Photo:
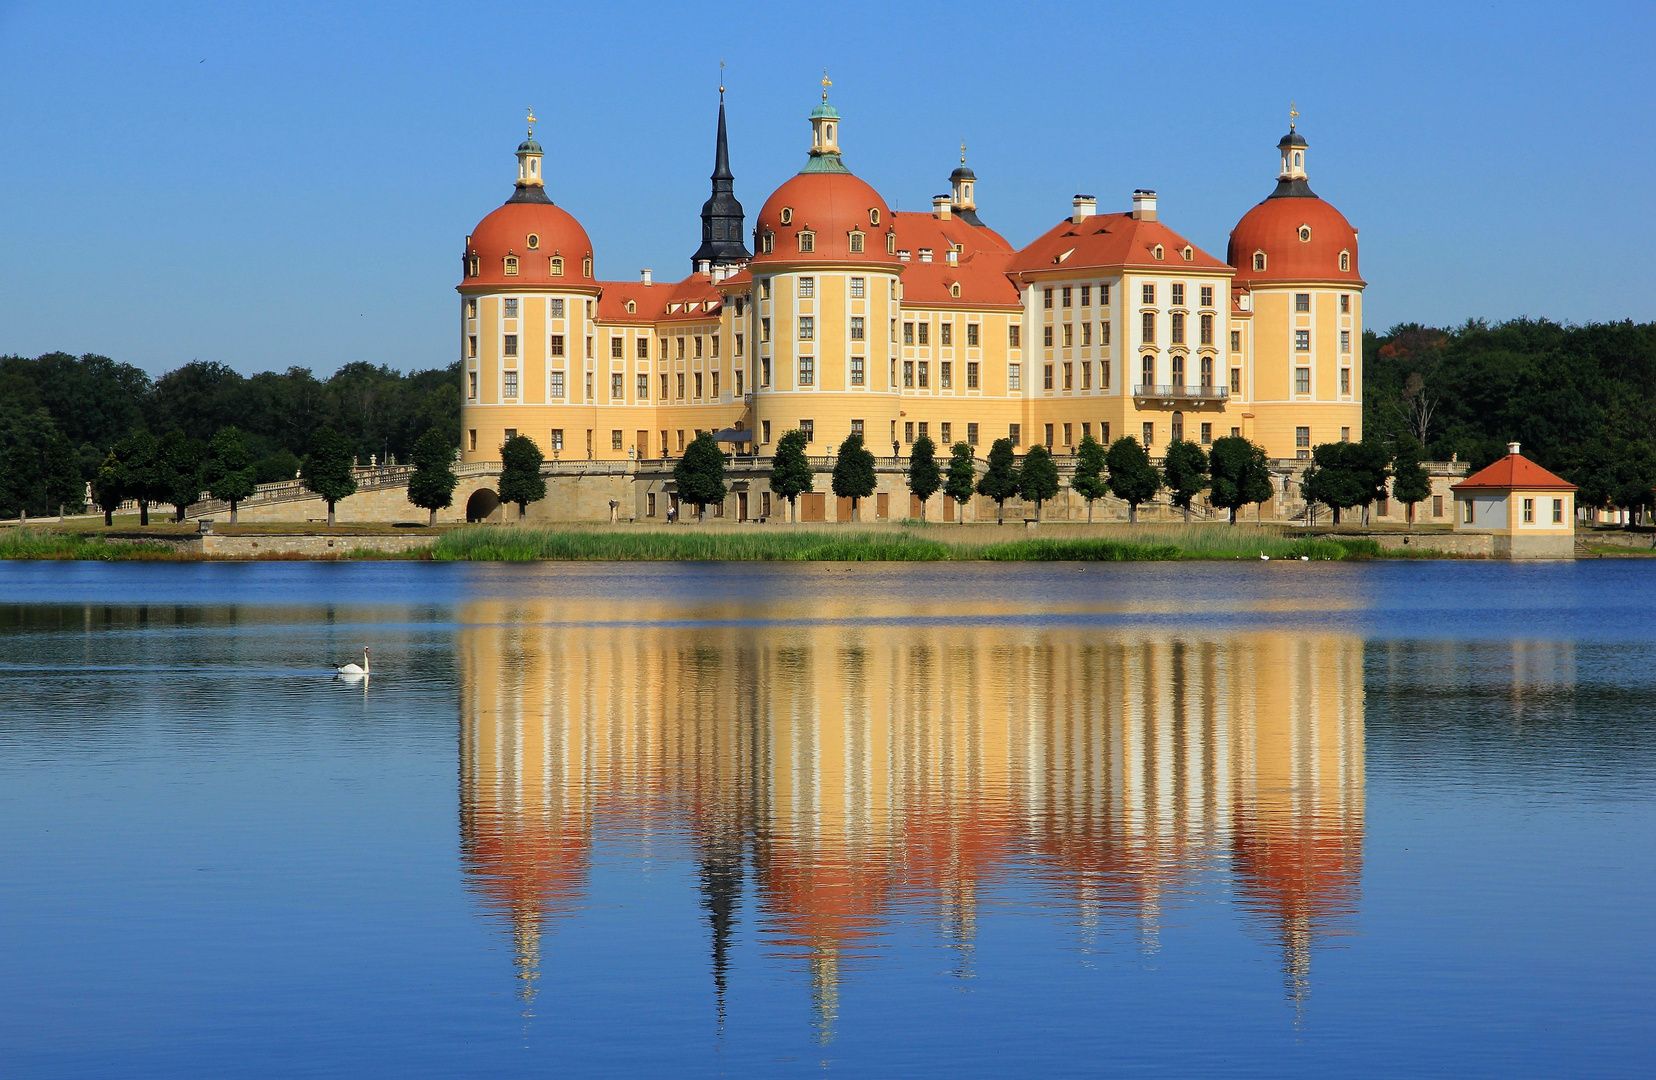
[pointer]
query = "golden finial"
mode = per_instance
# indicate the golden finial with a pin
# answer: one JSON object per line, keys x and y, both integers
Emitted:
{"x": 963, "y": 151}
{"x": 1293, "y": 115}
{"x": 531, "y": 121}
{"x": 826, "y": 83}
{"x": 721, "y": 78}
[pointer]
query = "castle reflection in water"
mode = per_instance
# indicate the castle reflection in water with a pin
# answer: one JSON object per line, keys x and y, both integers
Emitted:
{"x": 845, "y": 774}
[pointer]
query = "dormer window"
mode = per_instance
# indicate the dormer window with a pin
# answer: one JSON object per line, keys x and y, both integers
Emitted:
{"x": 534, "y": 241}
{"x": 767, "y": 243}
{"x": 786, "y": 216}
{"x": 1259, "y": 260}
{"x": 873, "y": 215}
{"x": 1345, "y": 262}
{"x": 557, "y": 266}
{"x": 1189, "y": 253}
{"x": 891, "y": 243}
{"x": 1158, "y": 252}
{"x": 474, "y": 266}
{"x": 954, "y": 291}
{"x": 511, "y": 266}
{"x": 586, "y": 267}
{"x": 1304, "y": 230}
{"x": 632, "y": 307}
{"x": 856, "y": 243}
{"x": 807, "y": 241}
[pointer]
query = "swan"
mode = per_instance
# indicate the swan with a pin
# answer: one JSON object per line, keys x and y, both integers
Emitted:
{"x": 1264, "y": 557}
{"x": 356, "y": 669}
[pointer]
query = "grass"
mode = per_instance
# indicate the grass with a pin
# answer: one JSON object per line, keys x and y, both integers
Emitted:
{"x": 30, "y": 543}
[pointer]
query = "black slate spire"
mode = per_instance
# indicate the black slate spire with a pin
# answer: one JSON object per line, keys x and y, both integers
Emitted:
{"x": 721, "y": 215}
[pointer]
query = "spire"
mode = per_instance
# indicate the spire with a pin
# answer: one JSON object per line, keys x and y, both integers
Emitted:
{"x": 1292, "y": 182}
{"x": 531, "y": 186}
{"x": 721, "y": 152}
{"x": 721, "y": 214}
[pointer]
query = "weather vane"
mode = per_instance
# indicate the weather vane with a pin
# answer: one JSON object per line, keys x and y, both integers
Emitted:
{"x": 531, "y": 120}
{"x": 721, "y": 78}
{"x": 963, "y": 151}
{"x": 1293, "y": 115}
{"x": 826, "y": 83}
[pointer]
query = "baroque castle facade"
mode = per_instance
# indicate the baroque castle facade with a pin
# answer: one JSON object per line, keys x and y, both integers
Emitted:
{"x": 834, "y": 314}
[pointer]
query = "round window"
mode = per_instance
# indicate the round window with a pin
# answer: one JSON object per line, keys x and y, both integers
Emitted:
{"x": 534, "y": 241}
{"x": 874, "y": 215}
{"x": 1305, "y": 233}
{"x": 787, "y": 215}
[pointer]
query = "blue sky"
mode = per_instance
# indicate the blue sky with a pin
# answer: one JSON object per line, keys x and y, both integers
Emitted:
{"x": 273, "y": 185}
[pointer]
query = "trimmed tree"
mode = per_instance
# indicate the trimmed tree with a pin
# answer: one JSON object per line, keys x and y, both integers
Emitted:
{"x": 520, "y": 477}
{"x": 106, "y": 488}
{"x": 1370, "y": 465}
{"x": 854, "y": 473}
{"x": 1238, "y": 474}
{"x": 1088, "y": 481}
{"x": 962, "y": 475}
{"x": 924, "y": 477}
{"x": 326, "y": 469}
{"x": 1000, "y": 480}
{"x": 700, "y": 475}
{"x": 791, "y": 474}
{"x": 179, "y": 462}
{"x": 1411, "y": 483}
{"x": 431, "y": 485}
{"x": 1133, "y": 479}
{"x": 1185, "y": 468}
{"x": 1038, "y": 479}
{"x": 137, "y": 456}
{"x": 229, "y": 472}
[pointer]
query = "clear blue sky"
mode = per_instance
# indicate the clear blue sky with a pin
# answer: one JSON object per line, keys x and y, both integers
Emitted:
{"x": 275, "y": 184}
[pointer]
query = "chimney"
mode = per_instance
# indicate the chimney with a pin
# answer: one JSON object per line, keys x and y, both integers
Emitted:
{"x": 644, "y": 276}
{"x": 705, "y": 266}
{"x": 1084, "y": 206}
{"x": 940, "y": 207}
{"x": 954, "y": 257}
{"x": 1144, "y": 205}
{"x": 1512, "y": 448}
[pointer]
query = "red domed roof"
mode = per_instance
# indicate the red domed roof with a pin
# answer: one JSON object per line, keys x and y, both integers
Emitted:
{"x": 830, "y": 205}
{"x": 1274, "y": 227}
{"x": 534, "y": 232}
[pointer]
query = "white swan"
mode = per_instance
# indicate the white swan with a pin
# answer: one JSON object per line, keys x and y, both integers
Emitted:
{"x": 1264, "y": 557}
{"x": 356, "y": 669}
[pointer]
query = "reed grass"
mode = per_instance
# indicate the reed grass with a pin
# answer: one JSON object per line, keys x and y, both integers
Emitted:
{"x": 22, "y": 542}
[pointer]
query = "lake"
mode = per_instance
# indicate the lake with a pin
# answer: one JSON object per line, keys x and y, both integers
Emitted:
{"x": 1263, "y": 819}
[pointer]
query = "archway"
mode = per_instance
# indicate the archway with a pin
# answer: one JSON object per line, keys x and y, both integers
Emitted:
{"x": 482, "y": 503}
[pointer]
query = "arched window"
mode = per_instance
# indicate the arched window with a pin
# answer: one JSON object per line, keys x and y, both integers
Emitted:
{"x": 1189, "y": 253}
{"x": 1259, "y": 260}
{"x": 954, "y": 290}
{"x": 557, "y": 266}
{"x": 511, "y": 266}
{"x": 891, "y": 243}
{"x": 1345, "y": 261}
{"x": 1158, "y": 251}
{"x": 632, "y": 307}
{"x": 856, "y": 243}
{"x": 586, "y": 266}
{"x": 807, "y": 241}
{"x": 1149, "y": 372}
{"x": 1299, "y": 159}
{"x": 1178, "y": 426}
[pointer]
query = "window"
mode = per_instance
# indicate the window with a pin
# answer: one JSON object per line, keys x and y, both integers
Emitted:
{"x": 664, "y": 387}
{"x": 1046, "y": 336}
{"x": 1150, "y": 293}
{"x": 586, "y": 270}
{"x": 680, "y": 342}
{"x": 1104, "y": 293}
{"x": 1529, "y": 511}
{"x": 1066, "y": 296}
{"x": 557, "y": 384}
{"x": 1104, "y": 333}
{"x": 1345, "y": 262}
{"x": 764, "y": 288}
{"x": 739, "y": 374}
{"x": 1236, "y": 380}
{"x": 1177, "y": 321}
{"x": 1305, "y": 234}
{"x": 680, "y": 386}
{"x": 1046, "y": 298}
{"x": 509, "y": 387}
{"x": 925, "y": 373}
{"x": 643, "y": 388}
{"x": 1437, "y": 506}
{"x": 1345, "y": 380}
{"x": 1178, "y": 294}
{"x": 1207, "y": 329}
{"x": 715, "y": 340}
{"x": 945, "y": 375}
{"x": 764, "y": 431}
{"x": 1178, "y": 369}
{"x": 681, "y": 440}
{"x": 807, "y": 288}
{"x": 472, "y": 438}
{"x": 741, "y": 342}
{"x": 1302, "y": 301}
{"x": 615, "y": 440}
{"x": 1207, "y": 434}
{"x": 1046, "y": 377}
{"x": 1086, "y": 374}
{"x": 555, "y": 265}
{"x": 908, "y": 372}
{"x": 588, "y": 347}
{"x": 1345, "y": 434}
{"x": 809, "y": 428}
{"x": 1086, "y": 296}
{"x": 857, "y": 333}
{"x": 1177, "y": 429}
{"x": 856, "y": 243}
{"x": 858, "y": 285}
{"x": 807, "y": 371}
{"x": 715, "y": 384}
{"x": 1014, "y": 376}
{"x": 786, "y": 216}
{"x": 1345, "y": 303}
{"x": 891, "y": 243}
{"x": 473, "y": 266}
{"x": 857, "y": 377}
{"x": 971, "y": 435}
{"x": 557, "y": 438}
{"x": 1149, "y": 434}
{"x": 1207, "y": 372}
{"x": 698, "y": 343}
{"x": 1207, "y": 295}
{"x": 1259, "y": 260}
{"x": 1236, "y": 433}
{"x": 511, "y": 344}
{"x": 511, "y": 266}
{"x": 558, "y": 308}
{"x": 471, "y": 308}
{"x": 698, "y": 378}
{"x": 856, "y": 427}
{"x": 1302, "y": 438}
{"x": 1148, "y": 330}
{"x": 807, "y": 328}
{"x": 1015, "y": 433}
{"x": 1345, "y": 341}
{"x": 1302, "y": 341}
{"x": 908, "y": 431}
{"x": 1157, "y": 251}
{"x": 1069, "y": 335}
{"x": 1236, "y": 341}
{"x": 764, "y": 329}
{"x": 945, "y": 334}
{"x": 1069, "y": 376}
{"x": 873, "y": 215}
{"x": 1466, "y": 512}
{"x": 472, "y": 346}
{"x": 1086, "y": 430}
{"x": 807, "y": 242}
{"x": 1086, "y": 334}
{"x": 1302, "y": 380}
{"x": 764, "y": 371}
{"x": 972, "y": 335}
{"x": 616, "y": 389}
{"x": 511, "y": 311}
{"x": 944, "y": 433}
{"x": 1014, "y": 336}
{"x": 1048, "y": 439}
{"x": 1103, "y": 374}
{"x": 971, "y": 375}
{"x": 1558, "y": 511}
{"x": 924, "y": 330}
{"x": 616, "y": 346}
{"x": 1148, "y": 371}
{"x": 908, "y": 333}
{"x": 472, "y": 377}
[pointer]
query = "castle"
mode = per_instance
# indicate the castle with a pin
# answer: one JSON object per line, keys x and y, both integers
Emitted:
{"x": 835, "y": 315}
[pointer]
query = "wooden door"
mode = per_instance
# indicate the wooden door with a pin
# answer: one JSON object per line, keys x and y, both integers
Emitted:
{"x": 741, "y": 506}
{"x": 813, "y": 506}
{"x": 948, "y": 508}
{"x": 842, "y": 508}
{"x": 882, "y": 506}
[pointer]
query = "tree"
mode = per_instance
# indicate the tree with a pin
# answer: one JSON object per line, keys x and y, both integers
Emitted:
{"x": 962, "y": 474}
{"x": 65, "y": 488}
{"x": 179, "y": 461}
{"x": 20, "y": 479}
{"x": 1411, "y": 483}
{"x": 520, "y": 476}
{"x": 139, "y": 478}
{"x": 1238, "y": 474}
{"x": 924, "y": 477}
{"x": 1370, "y": 465}
{"x": 1088, "y": 481}
{"x": 229, "y": 472}
{"x": 106, "y": 488}
{"x": 700, "y": 474}
{"x": 326, "y": 469}
{"x": 433, "y": 482}
{"x": 854, "y": 472}
{"x": 1000, "y": 480}
{"x": 1185, "y": 467}
{"x": 791, "y": 474}
{"x": 1133, "y": 479}
{"x": 1038, "y": 479}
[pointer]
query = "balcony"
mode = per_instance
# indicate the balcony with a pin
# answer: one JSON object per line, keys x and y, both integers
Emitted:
{"x": 1179, "y": 393}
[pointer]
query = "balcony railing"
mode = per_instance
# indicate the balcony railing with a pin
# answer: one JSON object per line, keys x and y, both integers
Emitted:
{"x": 1181, "y": 392}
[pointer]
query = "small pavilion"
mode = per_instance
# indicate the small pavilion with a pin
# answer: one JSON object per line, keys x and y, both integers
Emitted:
{"x": 1529, "y": 512}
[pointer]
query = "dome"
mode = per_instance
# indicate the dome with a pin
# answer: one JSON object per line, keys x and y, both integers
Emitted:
{"x": 1275, "y": 228}
{"x": 830, "y": 205}
{"x": 1293, "y": 138}
{"x": 963, "y": 173}
{"x": 529, "y": 146}
{"x": 508, "y": 232}
{"x": 825, "y": 110}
